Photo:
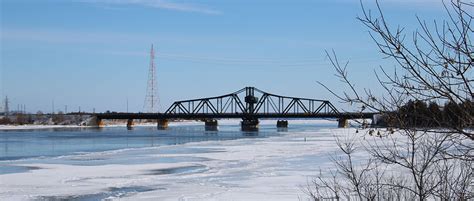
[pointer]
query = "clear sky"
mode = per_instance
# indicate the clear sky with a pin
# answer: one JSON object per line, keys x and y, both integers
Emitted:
{"x": 94, "y": 53}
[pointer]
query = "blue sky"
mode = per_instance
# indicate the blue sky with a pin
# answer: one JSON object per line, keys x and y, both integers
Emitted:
{"x": 94, "y": 53}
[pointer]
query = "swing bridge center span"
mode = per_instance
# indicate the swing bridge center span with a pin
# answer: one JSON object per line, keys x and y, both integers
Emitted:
{"x": 249, "y": 104}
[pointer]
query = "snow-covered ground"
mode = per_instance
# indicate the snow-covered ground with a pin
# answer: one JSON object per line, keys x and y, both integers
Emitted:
{"x": 275, "y": 168}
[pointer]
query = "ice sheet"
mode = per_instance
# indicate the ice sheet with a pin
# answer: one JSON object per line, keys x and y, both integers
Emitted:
{"x": 272, "y": 168}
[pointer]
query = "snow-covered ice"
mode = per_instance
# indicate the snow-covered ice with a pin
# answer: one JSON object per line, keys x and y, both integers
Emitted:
{"x": 274, "y": 168}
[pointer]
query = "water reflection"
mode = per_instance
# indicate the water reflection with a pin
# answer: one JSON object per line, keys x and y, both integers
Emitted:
{"x": 282, "y": 129}
{"x": 250, "y": 133}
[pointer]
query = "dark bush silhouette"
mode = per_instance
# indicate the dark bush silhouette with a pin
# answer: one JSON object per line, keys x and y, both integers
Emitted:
{"x": 420, "y": 114}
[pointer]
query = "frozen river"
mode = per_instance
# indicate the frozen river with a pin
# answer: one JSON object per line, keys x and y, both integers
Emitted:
{"x": 181, "y": 163}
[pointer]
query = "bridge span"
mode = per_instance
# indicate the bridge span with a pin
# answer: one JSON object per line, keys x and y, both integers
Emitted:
{"x": 249, "y": 104}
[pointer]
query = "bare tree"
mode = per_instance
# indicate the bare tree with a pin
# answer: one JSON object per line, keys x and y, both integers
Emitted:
{"x": 415, "y": 161}
{"x": 404, "y": 166}
{"x": 436, "y": 66}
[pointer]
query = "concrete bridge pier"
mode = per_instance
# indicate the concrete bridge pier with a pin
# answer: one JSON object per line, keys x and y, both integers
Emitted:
{"x": 342, "y": 123}
{"x": 100, "y": 123}
{"x": 249, "y": 124}
{"x": 282, "y": 124}
{"x": 94, "y": 121}
{"x": 163, "y": 124}
{"x": 130, "y": 124}
{"x": 210, "y": 124}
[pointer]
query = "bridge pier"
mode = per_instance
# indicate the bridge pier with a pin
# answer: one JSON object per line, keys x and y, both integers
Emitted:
{"x": 162, "y": 124}
{"x": 342, "y": 123}
{"x": 100, "y": 123}
{"x": 282, "y": 124}
{"x": 249, "y": 124}
{"x": 95, "y": 122}
{"x": 210, "y": 124}
{"x": 130, "y": 124}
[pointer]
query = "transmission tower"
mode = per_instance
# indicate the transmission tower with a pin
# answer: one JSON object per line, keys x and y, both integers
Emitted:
{"x": 151, "y": 99}
{"x": 5, "y": 109}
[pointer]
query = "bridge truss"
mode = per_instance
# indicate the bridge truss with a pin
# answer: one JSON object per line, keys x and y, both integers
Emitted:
{"x": 251, "y": 101}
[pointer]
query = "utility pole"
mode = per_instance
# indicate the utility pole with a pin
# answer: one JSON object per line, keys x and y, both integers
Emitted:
{"x": 65, "y": 109}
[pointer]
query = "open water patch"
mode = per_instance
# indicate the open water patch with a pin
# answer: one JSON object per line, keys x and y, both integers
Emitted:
{"x": 28, "y": 144}
{"x": 10, "y": 169}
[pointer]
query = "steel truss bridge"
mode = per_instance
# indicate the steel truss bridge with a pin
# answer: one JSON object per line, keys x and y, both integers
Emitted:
{"x": 248, "y": 104}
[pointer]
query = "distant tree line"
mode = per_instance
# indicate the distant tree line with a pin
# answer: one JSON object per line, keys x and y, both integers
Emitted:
{"x": 39, "y": 117}
{"x": 429, "y": 115}
{"x": 17, "y": 119}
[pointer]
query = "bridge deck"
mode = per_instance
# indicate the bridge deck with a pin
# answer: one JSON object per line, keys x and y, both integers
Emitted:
{"x": 232, "y": 116}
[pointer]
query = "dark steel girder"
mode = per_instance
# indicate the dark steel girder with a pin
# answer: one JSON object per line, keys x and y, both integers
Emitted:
{"x": 264, "y": 104}
{"x": 231, "y": 116}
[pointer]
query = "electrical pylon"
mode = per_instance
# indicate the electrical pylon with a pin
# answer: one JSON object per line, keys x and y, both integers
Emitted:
{"x": 151, "y": 99}
{"x": 5, "y": 109}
